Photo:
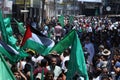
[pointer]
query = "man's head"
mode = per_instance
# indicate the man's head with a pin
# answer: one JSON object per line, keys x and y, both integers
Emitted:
{"x": 105, "y": 77}
{"x": 44, "y": 63}
{"x": 87, "y": 39}
{"x": 49, "y": 75}
{"x": 101, "y": 48}
{"x": 53, "y": 61}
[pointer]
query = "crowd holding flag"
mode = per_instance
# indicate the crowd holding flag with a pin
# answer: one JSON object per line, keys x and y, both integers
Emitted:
{"x": 3, "y": 29}
{"x": 77, "y": 61}
{"x": 38, "y": 42}
{"x": 64, "y": 43}
{"x": 35, "y": 40}
{"x": 8, "y": 42}
{"x": 12, "y": 54}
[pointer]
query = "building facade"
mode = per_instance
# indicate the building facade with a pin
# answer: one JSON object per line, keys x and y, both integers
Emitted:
{"x": 79, "y": 7}
{"x": 111, "y": 7}
{"x": 58, "y": 7}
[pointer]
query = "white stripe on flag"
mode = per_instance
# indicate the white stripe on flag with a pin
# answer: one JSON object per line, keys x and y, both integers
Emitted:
{"x": 36, "y": 39}
{"x": 16, "y": 52}
{"x": 52, "y": 44}
{"x": 1, "y": 45}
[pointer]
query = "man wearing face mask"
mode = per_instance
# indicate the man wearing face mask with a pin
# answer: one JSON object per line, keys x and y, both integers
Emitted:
{"x": 54, "y": 68}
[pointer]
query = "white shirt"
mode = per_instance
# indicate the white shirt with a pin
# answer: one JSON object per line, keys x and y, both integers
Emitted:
{"x": 90, "y": 49}
{"x": 57, "y": 71}
{"x": 63, "y": 62}
{"x": 22, "y": 63}
{"x": 38, "y": 59}
{"x": 89, "y": 29}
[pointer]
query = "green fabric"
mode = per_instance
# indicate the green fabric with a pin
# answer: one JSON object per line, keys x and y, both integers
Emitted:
{"x": 8, "y": 26}
{"x": 9, "y": 30}
{"x": 3, "y": 29}
{"x": 11, "y": 39}
{"x": 22, "y": 54}
{"x": 9, "y": 15}
{"x": 5, "y": 72}
{"x": 8, "y": 55}
{"x": 61, "y": 20}
{"x": 77, "y": 62}
{"x": 64, "y": 43}
{"x": 71, "y": 19}
{"x": 49, "y": 35}
{"x": 31, "y": 73}
{"x": 7, "y": 36}
{"x": 39, "y": 48}
{"x": 20, "y": 27}
{"x": 42, "y": 76}
{"x": 14, "y": 58}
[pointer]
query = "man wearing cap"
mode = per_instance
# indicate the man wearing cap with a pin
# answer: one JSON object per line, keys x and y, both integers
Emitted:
{"x": 101, "y": 49}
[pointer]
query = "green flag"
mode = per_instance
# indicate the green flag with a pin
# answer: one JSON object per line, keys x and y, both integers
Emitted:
{"x": 11, "y": 39}
{"x": 61, "y": 20}
{"x": 71, "y": 19}
{"x": 8, "y": 27}
{"x": 42, "y": 75}
{"x": 22, "y": 54}
{"x": 5, "y": 72}
{"x": 14, "y": 58}
{"x": 64, "y": 43}
{"x": 20, "y": 27}
{"x": 77, "y": 62}
{"x": 12, "y": 54}
{"x": 31, "y": 73}
{"x": 3, "y": 29}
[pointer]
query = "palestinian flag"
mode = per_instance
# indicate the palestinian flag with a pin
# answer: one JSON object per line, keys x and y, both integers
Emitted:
{"x": 12, "y": 54}
{"x": 35, "y": 40}
{"x": 8, "y": 48}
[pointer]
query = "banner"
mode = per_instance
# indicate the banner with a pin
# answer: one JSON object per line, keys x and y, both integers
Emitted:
{"x": 90, "y": 0}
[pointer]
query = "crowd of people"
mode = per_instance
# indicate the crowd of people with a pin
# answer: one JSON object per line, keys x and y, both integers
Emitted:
{"x": 99, "y": 37}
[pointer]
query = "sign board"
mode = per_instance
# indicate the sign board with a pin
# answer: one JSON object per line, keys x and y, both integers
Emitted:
{"x": 24, "y": 11}
{"x": 99, "y": 1}
{"x": 7, "y": 8}
{"x": 9, "y": 4}
{"x": 108, "y": 8}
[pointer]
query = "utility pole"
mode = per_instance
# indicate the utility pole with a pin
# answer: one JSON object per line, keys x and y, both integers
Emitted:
{"x": 39, "y": 12}
{"x": 74, "y": 5}
{"x": 42, "y": 15}
{"x": 25, "y": 12}
{"x": 3, "y": 6}
{"x": 55, "y": 7}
